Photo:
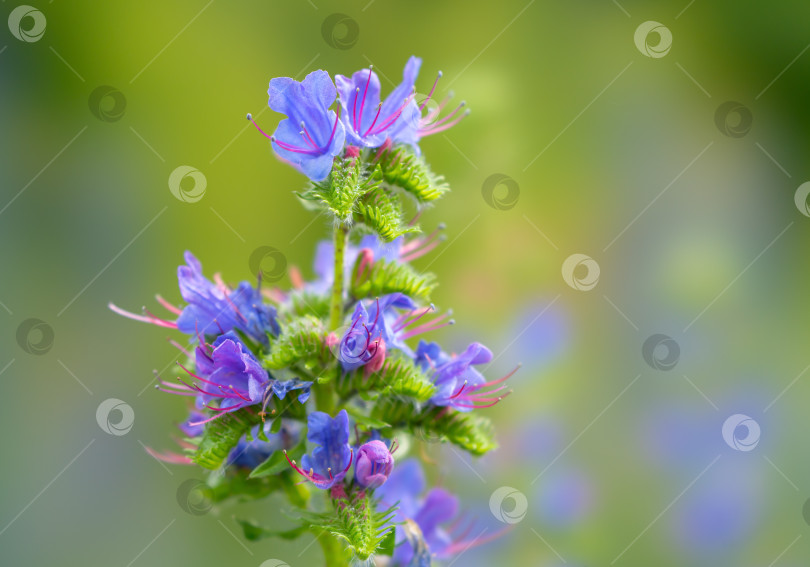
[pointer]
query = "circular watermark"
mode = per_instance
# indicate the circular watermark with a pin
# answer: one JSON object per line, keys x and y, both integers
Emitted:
{"x": 653, "y": 39}
{"x": 661, "y": 352}
{"x": 195, "y": 497}
{"x": 427, "y": 435}
{"x": 35, "y": 336}
{"x": 352, "y": 344}
{"x": 806, "y": 511}
{"x": 741, "y": 432}
{"x": 268, "y": 262}
{"x": 800, "y": 198}
{"x": 26, "y": 23}
{"x": 115, "y": 417}
{"x": 274, "y": 563}
{"x": 107, "y": 103}
{"x": 581, "y": 272}
{"x": 185, "y": 174}
{"x": 427, "y": 114}
{"x": 340, "y": 31}
{"x": 508, "y": 514}
{"x": 497, "y": 198}
{"x": 733, "y": 119}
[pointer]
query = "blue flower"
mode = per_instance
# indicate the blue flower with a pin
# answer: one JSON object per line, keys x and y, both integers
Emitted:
{"x": 370, "y": 122}
{"x": 214, "y": 309}
{"x": 229, "y": 374}
{"x": 458, "y": 384}
{"x": 374, "y": 328}
{"x": 332, "y": 458}
{"x": 311, "y": 135}
{"x": 281, "y": 387}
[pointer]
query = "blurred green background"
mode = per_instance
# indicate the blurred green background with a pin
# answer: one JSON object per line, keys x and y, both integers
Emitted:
{"x": 686, "y": 208}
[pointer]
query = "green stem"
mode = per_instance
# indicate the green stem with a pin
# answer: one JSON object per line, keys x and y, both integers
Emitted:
{"x": 336, "y": 304}
{"x": 325, "y": 400}
{"x": 332, "y": 550}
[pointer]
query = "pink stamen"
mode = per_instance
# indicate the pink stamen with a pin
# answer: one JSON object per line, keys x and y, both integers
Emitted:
{"x": 436, "y": 128}
{"x": 295, "y": 277}
{"x": 354, "y": 108}
{"x": 457, "y": 394}
{"x": 143, "y": 318}
{"x": 178, "y": 346}
{"x": 158, "y": 321}
{"x": 249, "y": 117}
{"x": 307, "y": 138}
{"x": 499, "y": 380}
{"x": 363, "y": 103}
{"x": 421, "y": 252}
{"x": 168, "y": 306}
{"x": 221, "y": 285}
{"x": 417, "y": 314}
{"x": 171, "y": 458}
{"x": 482, "y": 406}
{"x": 175, "y": 392}
{"x": 334, "y": 128}
{"x": 366, "y": 261}
{"x": 393, "y": 118}
{"x": 430, "y": 94}
{"x": 376, "y": 116}
{"x": 196, "y": 423}
{"x": 291, "y": 148}
{"x": 432, "y": 114}
{"x": 430, "y": 326}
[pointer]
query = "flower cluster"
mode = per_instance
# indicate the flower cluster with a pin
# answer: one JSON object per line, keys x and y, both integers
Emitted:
{"x": 312, "y": 135}
{"x": 308, "y": 390}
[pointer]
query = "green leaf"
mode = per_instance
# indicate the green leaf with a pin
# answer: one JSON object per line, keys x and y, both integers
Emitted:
{"x": 339, "y": 192}
{"x": 301, "y": 339}
{"x": 402, "y": 168}
{"x": 254, "y": 532}
{"x": 302, "y": 302}
{"x": 386, "y": 277}
{"x": 365, "y": 420}
{"x": 380, "y": 210}
{"x": 386, "y": 546}
{"x": 235, "y": 484}
{"x": 220, "y": 436}
{"x": 277, "y": 462}
{"x": 399, "y": 377}
{"x": 357, "y": 522}
{"x": 467, "y": 430}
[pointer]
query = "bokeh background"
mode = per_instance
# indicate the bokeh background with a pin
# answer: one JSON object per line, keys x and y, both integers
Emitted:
{"x": 607, "y": 136}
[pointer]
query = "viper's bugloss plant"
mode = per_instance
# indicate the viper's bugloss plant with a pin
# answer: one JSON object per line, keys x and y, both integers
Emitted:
{"x": 309, "y": 391}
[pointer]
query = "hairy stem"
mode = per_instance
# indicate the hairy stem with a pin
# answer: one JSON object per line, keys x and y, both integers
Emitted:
{"x": 325, "y": 400}
{"x": 336, "y": 304}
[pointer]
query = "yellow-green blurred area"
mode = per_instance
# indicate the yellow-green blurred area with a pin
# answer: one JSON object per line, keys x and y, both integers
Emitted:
{"x": 685, "y": 208}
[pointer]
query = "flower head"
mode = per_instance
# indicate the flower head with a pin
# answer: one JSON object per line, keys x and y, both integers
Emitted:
{"x": 332, "y": 458}
{"x": 458, "y": 384}
{"x": 311, "y": 135}
{"x": 368, "y": 121}
{"x": 373, "y": 465}
{"x": 213, "y": 308}
{"x": 381, "y": 325}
